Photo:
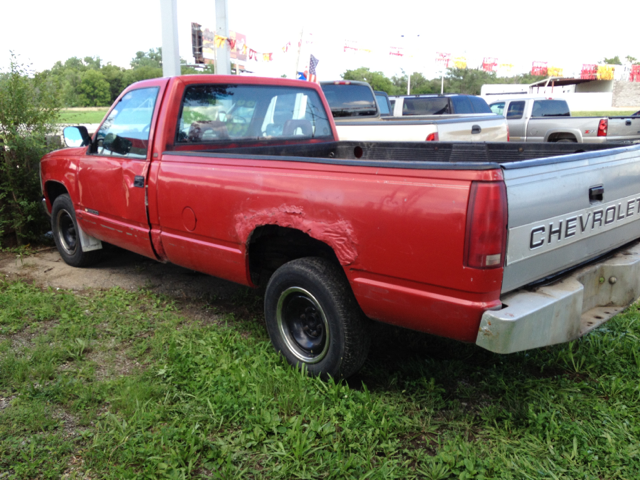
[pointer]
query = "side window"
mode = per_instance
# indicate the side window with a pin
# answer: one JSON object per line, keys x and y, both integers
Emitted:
{"x": 383, "y": 105}
{"x": 125, "y": 132}
{"x": 225, "y": 113}
{"x": 497, "y": 108}
{"x": 461, "y": 105}
{"x": 515, "y": 110}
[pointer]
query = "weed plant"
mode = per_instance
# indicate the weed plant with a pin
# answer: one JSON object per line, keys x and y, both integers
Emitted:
{"x": 120, "y": 384}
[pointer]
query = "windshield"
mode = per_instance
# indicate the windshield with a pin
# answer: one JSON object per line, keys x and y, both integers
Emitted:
{"x": 350, "y": 100}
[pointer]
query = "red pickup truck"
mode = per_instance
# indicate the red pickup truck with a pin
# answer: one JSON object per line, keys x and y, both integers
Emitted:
{"x": 510, "y": 246}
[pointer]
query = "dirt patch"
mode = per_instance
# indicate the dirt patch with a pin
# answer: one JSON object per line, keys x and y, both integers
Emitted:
{"x": 118, "y": 268}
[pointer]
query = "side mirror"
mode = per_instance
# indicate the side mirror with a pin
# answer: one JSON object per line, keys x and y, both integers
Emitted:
{"x": 76, "y": 136}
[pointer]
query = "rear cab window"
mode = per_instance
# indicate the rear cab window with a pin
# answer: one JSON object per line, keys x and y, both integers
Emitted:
{"x": 479, "y": 105}
{"x": 426, "y": 106}
{"x": 233, "y": 113}
{"x": 350, "y": 100}
{"x": 461, "y": 105}
{"x": 550, "y": 108}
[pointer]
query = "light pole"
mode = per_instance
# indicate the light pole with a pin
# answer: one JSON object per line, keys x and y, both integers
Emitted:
{"x": 170, "y": 51}
{"x": 406, "y": 42}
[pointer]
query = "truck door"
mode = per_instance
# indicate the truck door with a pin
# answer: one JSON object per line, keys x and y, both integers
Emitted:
{"x": 517, "y": 120}
{"x": 112, "y": 175}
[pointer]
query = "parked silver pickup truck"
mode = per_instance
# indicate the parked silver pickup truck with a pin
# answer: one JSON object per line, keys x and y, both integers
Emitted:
{"x": 540, "y": 119}
{"x": 357, "y": 118}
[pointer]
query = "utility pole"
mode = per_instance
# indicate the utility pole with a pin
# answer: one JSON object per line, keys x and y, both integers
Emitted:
{"x": 170, "y": 51}
{"x": 223, "y": 55}
{"x": 409, "y": 56}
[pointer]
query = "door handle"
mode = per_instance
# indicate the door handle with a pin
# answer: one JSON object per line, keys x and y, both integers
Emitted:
{"x": 628, "y": 122}
{"x": 138, "y": 181}
{"x": 596, "y": 194}
{"x": 476, "y": 129}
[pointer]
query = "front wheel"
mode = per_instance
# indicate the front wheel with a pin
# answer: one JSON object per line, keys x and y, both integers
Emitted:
{"x": 313, "y": 318}
{"x": 66, "y": 234}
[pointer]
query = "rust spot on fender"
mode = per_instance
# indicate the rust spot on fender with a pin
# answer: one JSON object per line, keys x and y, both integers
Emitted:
{"x": 338, "y": 234}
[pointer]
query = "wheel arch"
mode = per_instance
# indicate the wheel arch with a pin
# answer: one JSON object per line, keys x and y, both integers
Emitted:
{"x": 271, "y": 246}
{"x": 564, "y": 135}
{"x": 52, "y": 190}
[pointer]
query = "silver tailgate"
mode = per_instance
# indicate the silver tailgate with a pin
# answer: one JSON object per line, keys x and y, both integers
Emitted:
{"x": 556, "y": 217}
{"x": 623, "y": 128}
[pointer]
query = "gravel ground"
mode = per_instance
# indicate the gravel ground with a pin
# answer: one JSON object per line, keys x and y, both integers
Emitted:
{"x": 117, "y": 268}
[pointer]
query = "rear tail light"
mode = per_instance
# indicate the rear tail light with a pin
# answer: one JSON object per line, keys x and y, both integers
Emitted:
{"x": 486, "y": 235}
{"x": 432, "y": 137}
{"x": 602, "y": 127}
{"x": 508, "y": 134}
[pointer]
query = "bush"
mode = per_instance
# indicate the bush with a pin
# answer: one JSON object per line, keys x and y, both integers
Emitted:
{"x": 29, "y": 106}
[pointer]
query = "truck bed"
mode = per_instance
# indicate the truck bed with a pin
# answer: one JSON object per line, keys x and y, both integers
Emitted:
{"x": 416, "y": 155}
{"x": 551, "y": 188}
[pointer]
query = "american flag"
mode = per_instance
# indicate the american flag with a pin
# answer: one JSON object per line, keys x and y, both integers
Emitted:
{"x": 313, "y": 63}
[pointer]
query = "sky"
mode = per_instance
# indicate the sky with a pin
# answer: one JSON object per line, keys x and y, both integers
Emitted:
{"x": 565, "y": 34}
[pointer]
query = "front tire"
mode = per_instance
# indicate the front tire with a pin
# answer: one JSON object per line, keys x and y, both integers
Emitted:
{"x": 67, "y": 235}
{"x": 313, "y": 318}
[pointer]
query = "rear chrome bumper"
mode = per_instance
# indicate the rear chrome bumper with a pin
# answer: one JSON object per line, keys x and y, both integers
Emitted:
{"x": 566, "y": 309}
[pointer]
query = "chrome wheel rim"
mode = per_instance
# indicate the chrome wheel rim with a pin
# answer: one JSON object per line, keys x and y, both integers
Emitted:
{"x": 67, "y": 232}
{"x": 303, "y": 325}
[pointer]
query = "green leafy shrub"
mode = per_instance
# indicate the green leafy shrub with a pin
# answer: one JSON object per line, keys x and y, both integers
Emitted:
{"x": 28, "y": 109}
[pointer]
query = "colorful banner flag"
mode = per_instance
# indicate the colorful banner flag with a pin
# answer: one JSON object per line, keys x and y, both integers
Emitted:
{"x": 539, "y": 69}
{"x": 589, "y": 71}
{"x": 555, "y": 72}
{"x": 489, "y": 64}
{"x": 443, "y": 59}
{"x": 219, "y": 41}
{"x": 605, "y": 72}
{"x": 253, "y": 55}
{"x": 460, "y": 62}
{"x": 266, "y": 57}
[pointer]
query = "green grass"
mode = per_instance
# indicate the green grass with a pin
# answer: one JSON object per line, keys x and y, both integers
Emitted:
{"x": 73, "y": 116}
{"x": 122, "y": 384}
{"x": 604, "y": 113}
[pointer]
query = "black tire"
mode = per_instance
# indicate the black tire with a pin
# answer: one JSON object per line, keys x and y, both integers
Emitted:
{"x": 566, "y": 140}
{"x": 65, "y": 233}
{"x": 313, "y": 318}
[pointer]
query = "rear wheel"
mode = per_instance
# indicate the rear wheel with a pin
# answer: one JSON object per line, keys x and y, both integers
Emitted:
{"x": 66, "y": 234}
{"x": 566, "y": 140}
{"x": 314, "y": 320}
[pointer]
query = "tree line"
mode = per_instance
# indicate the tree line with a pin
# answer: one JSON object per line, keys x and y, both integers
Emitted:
{"x": 87, "y": 82}
{"x": 456, "y": 80}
